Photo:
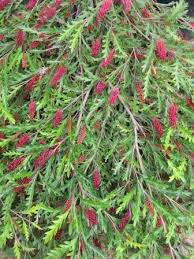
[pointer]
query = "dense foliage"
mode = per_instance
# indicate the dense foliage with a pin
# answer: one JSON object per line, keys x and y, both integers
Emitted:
{"x": 96, "y": 129}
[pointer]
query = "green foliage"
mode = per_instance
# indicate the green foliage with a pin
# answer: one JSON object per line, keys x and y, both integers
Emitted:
{"x": 142, "y": 171}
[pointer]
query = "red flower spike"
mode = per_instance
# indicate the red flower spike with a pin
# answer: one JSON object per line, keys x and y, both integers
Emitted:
{"x": 81, "y": 159}
{"x": 90, "y": 215}
{"x": 42, "y": 141}
{"x": 58, "y": 234}
{"x": 15, "y": 163}
{"x": 24, "y": 63}
{"x": 31, "y": 4}
{"x": 149, "y": 207}
{"x": 127, "y": 4}
{"x": 57, "y": 118}
{"x": 71, "y": 2}
{"x": 34, "y": 44}
{"x": 32, "y": 83}
{"x": 106, "y": 61}
{"x": 19, "y": 38}
{"x": 57, "y": 3}
{"x": 81, "y": 246}
{"x": 190, "y": 103}
{"x": 179, "y": 146}
{"x": 20, "y": 15}
{"x": 4, "y": 3}
{"x": 2, "y": 37}
{"x": 159, "y": 222}
{"x": 82, "y": 135}
{"x": 43, "y": 158}
{"x": 97, "y": 243}
{"x": 96, "y": 45}
{"x": 2, "y": 136}
{"x": 104, "y": 8}
{"x": 145, "y": 13}
{"x": 90, "y": 27}
{"x": 161, "y": 51}
{"x": 19, "y": 189}
{"x": 67, "y": 205}
{"x": 25, "y": 181}
{"x": 114, "y": 93}
{"x": 112, "y": 210}
{"x": 97, "y": 124}
{"x": 124, "y": 220}
{"x": 32, "y": 110}
{"x": 140, "y": 92}
{"x": 172, "y": 115}
{"x": 96, "y": 179}
{"x": 100, "y": 87}
{"x": 24, "y": 139}
{"x": 68, "y": 125}
{"x": 157, "y": 126}
{"x": 170, "y": 55}
{"x": 137, "y": 54}
{"x": 192, "y": 156}
{"x": 46, "y": 13}
{"x": 59, "y": 73}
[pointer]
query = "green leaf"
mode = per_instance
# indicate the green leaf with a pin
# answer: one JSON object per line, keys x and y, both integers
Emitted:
{"x": 54, "y": 227}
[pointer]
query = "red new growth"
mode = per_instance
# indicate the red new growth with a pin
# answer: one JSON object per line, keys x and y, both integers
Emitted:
{"x": 157, "y": 126}
{"x": 114, "y": 93}
{"x": 31, "y": 4}
{"x": 57, "y": 118}
{"x": 90, "y": 215}
{"x": 24, "y": 139}
{"x": 96, "y": 45}
{"x": 59, "y": 73}
{"x": 19, "y": 38}
{"x": 161, "y": 51}
{"x": 172, "y": 115}
{"x": 96, "y": 179}
{"x": 100, "y": 87}
{"x": 32, "y": 110}
{"x": 106, "y": 61}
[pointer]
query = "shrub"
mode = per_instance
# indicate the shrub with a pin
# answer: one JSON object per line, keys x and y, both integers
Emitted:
{"x": 97, "y": 143}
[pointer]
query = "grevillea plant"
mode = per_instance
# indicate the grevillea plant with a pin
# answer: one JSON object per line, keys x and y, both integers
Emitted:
{"x": 96, "y": 129}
